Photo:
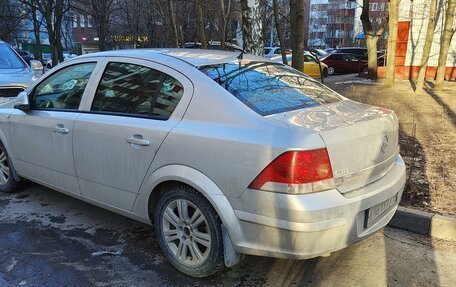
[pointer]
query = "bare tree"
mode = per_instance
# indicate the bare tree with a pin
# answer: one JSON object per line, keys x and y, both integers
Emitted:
{"x": 37, "y": 24}
{"x": 427, "y": 47}
{"x": 252, "y": 31}
{"x": 448, "y": 32}
{"x": 279, "y": 29}
{"x": 297, "y": 33}
{"x": 201, "y": 30}
{"x": 392, "y": 42}
{"x": 172, "y": 18}
{"x": 10, "y": 19}
{"x": 53, "y": 12}
{"x": 372, "y": 38}
{"x": 101, "y": 12}
{"x": 133, "y": 11}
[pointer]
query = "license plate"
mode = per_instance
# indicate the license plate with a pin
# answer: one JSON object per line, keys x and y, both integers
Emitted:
{"x": 374, "y": 212}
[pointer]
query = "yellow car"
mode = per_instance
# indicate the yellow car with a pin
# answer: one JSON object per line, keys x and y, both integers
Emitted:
{"x": 311, "y": 67}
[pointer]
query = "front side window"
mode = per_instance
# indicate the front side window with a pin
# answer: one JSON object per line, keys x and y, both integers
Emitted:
{"x": 137, "y": 90}
{"x": 64, "y": 89}
{"x": 309, "y": 59}
{"x": 270, "y": 88}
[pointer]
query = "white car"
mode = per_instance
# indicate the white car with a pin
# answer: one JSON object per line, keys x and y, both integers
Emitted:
{"x": 66, "y": 57}
{"x": 270, "y": 52}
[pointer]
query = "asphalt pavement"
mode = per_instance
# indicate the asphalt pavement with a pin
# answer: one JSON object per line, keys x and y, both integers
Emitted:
{"x": 50, "y": 239}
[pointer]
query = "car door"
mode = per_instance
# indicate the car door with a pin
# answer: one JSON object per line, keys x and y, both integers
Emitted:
{"x": 311, "y": 67}
{"x": 134, "y": 107}
{"x": 351, "y": 63}
{"x": 42, "y": 137}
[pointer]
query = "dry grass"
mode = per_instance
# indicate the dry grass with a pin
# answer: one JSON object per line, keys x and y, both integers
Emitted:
{"x": 427, "y": 138}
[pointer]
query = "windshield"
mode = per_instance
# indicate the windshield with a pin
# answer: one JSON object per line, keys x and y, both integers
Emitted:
{"x": 9, "y": 59}
{"x": 270, "y": 88}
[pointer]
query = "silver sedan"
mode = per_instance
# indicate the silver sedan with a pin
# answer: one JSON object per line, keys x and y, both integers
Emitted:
{"x": 224, "y": 154}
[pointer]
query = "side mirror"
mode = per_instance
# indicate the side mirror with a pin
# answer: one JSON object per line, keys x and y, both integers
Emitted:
{"x": 22, "y": 102}
{"x": 37, "y": 67}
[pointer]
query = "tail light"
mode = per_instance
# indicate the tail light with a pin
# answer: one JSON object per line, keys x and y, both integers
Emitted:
{"x": 297, "y": 172}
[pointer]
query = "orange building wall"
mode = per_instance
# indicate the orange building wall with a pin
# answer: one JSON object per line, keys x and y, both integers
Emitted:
{"x": 411, "y": 72}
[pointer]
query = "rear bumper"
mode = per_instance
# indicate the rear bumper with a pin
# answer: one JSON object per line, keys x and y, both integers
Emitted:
{"x": 306, "y": 226}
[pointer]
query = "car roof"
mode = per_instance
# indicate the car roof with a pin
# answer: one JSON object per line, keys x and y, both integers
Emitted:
{"x": 352, "y": 48}
{"x": 193, "y": 57}
{"x": 337, "y": 53}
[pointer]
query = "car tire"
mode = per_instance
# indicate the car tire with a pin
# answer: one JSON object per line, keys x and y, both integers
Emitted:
{"x": 189, "y": 231}
{"x": 7, "y": 181}
{"x": 331, "y": 71}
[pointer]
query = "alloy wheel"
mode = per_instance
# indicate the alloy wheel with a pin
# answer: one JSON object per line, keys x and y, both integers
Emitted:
{"x": 4, "y": 167}
{"x": 187, "y": 233}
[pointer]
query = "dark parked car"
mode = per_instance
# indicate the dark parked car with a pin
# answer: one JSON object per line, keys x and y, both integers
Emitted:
{"x": 27, "y": 56}
{"x": 343, "y": 63}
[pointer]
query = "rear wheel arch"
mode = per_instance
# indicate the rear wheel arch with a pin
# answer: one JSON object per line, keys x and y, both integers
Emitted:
{"x": 169, "y": 175}
{"x": 9, "y": 151}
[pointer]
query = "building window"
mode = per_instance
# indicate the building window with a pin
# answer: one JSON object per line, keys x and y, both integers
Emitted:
{"x": 89, "y": 21}
{"x": 82, "y": 20}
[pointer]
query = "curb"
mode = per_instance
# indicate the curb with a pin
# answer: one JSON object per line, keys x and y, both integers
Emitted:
{"x": 438, "y": 226}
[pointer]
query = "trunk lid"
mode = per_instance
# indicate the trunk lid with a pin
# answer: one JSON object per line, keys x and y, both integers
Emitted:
{"x": 362, "y": 140}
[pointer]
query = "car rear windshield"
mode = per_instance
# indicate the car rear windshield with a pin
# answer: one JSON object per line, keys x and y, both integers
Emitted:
{"x": 270, "y": 88}
{"x": 9, "y": 59}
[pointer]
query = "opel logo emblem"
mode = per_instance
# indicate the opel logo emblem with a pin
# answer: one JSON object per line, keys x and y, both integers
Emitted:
{"x": 384, "y": 144}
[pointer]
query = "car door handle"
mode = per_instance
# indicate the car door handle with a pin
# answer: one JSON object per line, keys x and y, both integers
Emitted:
{"x": 138, "y": 140}
{"x": 60, "y": 129}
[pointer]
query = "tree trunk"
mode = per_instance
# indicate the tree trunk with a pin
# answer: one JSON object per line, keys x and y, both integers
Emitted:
{"x": 222, "y": 25}
{"x": 279, "y": 29}
{"x": 173, "y": 23}
{"x": 252, "y": 27}
{"x": 448, "y": 33}
{"x": 370, "y": 42}
{"x": 427, "y": 47}
{"x": 200, "y": 23}
{"x": 36, "y": 32}
{"x": 297, "y": 33}
{"x": 392, "y": 42}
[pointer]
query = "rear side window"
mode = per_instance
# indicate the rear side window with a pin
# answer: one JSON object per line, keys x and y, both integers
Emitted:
{"x": 137, "y": 90}
{"x": 335, "y": 57}
{"x": 270, "y": 88}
